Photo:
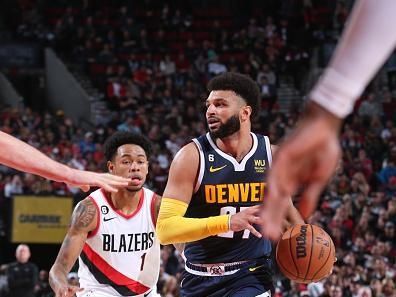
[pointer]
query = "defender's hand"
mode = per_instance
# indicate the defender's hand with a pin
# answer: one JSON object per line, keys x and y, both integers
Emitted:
{"x": 107, "y": 181}
{"x": 307, "y": 158}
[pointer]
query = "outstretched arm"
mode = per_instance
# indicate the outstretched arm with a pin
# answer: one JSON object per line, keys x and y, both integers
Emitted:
{"x": 83, "y": 221}
{"x": 367, "y": 41}
{"x": 21, "y": 156}
{"x": 310, "y": 154}
{"x": 307, "y": 158}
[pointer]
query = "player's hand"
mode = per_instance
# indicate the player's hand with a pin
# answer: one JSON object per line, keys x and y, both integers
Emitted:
{"x": 107, "y": 181}
{"x": 67, "y": 291}
{"x": 245, "y": 219}
{"x": 307, "y": 158}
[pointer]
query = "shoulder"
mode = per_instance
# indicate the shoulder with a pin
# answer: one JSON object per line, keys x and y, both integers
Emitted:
{"x": 188, "y": 153}
{"x": 182, "y": 173}
{"x": 84, "y": 215}
{"x": 88, "y": 201}
{"x": 155, "y": 199}
{"x": 96, "y": 194}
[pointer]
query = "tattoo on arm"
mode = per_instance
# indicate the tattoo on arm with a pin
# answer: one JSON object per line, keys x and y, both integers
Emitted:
{"x": 84, "y": 214}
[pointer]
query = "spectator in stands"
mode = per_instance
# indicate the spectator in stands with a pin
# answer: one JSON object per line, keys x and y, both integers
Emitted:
{"x": 215, "y": 67}
{"x": 22, "y": 275}
{"x": 42, "y": 288}
{"x": 171, "y": 287}
{"x": 268, "y": 94}
{"x": 370, "y": 107}
{"x": 13, "y": 186}
{"x": 387, "y": 175}
{"x": 167, "y": 66}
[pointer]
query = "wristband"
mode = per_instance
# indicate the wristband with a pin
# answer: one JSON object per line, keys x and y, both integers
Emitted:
{"x": 336, "y": 93}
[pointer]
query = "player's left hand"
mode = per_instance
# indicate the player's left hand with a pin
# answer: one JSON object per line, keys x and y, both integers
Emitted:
{"x": 107, "y": 181}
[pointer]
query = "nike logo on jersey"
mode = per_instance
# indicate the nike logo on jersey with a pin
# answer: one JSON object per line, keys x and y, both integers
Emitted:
{"x": 108, "y": 219}
{"x": 252, "y": 269}
{"x": 145, "y": 295}
{"x": 214, "y": 169}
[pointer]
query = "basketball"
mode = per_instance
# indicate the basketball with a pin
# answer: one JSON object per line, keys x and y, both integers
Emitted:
{"x": 305, "y": 253}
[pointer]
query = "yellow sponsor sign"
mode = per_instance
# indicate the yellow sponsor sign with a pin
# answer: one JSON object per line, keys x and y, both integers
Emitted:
{"x": 40, "y": 219}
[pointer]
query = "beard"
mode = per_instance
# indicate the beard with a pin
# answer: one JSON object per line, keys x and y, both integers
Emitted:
{"x": 231, "y": 126}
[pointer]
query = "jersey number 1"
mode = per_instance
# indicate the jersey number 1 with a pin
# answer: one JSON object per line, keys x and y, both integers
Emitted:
{"x": 143, "y": 258}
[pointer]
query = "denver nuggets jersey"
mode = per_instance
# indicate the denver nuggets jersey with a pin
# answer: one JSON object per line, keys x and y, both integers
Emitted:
{"x": 226, "y": 186}
{"x": 121, "y": 257}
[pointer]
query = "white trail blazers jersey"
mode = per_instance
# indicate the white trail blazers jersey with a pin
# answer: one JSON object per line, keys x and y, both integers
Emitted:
{"x": 121, "y": 257}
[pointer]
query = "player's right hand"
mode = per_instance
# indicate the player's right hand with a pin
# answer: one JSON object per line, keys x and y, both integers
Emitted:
{"x": 307, "y": 158}
{"x": 67, "y": 291}
{"x": 245, "y": 219}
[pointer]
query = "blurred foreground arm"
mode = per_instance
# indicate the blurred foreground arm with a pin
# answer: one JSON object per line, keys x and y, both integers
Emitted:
{"x": 21, "y": 156}
{"x": 367, "y": 41}
{"x": 309, "y": 155}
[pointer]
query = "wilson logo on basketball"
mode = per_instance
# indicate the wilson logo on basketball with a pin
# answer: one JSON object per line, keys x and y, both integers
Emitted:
{"x": 301, "y": 239}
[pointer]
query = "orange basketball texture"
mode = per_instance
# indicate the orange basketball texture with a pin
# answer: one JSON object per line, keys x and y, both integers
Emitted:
{"x": 305, "y": 253}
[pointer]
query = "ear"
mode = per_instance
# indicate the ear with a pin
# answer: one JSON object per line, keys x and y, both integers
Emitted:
{"x": 110, "y": 166}
{"x": 246, "y": 112}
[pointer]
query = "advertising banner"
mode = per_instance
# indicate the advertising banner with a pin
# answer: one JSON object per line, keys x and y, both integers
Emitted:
{"x": 40, "y": 219}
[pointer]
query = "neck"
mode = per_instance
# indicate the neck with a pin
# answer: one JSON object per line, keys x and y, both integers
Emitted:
{"x": 126, "y": 201}
{"x": 237, "y": 144}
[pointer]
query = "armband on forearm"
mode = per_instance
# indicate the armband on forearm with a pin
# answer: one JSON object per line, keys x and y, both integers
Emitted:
{"x": 173, "y": 227}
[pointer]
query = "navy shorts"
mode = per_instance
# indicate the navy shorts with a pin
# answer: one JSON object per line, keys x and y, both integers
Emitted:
{"x": 250, "y": 281}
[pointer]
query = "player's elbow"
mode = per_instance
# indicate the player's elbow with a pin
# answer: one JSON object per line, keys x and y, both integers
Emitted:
{"x": 169, "y": 227}
{"x": 162, "y": 230}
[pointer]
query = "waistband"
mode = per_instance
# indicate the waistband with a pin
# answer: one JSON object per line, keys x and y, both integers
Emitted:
{"x": 220, "y": 269}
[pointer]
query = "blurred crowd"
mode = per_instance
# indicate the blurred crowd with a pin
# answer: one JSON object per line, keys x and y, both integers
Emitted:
{"x": 151, "y": 60}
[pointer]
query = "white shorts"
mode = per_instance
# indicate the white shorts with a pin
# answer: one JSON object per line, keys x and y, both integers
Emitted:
{"x": 94, "y": 293}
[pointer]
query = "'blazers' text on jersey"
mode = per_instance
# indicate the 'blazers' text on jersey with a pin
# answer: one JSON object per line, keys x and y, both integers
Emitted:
{"x": 121, "y": 257}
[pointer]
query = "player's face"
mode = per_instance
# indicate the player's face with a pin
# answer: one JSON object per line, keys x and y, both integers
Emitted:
{"x": 131, "y": 162}
{"x": 222, "y": 113}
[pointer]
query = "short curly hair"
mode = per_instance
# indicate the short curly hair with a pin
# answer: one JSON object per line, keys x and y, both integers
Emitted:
{"x": 120, "y": 138}
{"x": 241, "y": 84}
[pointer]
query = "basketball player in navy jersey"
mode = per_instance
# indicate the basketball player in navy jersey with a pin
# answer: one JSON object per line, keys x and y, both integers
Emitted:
{"x": 114, "y": 233}
{"x": 211, "y": 201}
